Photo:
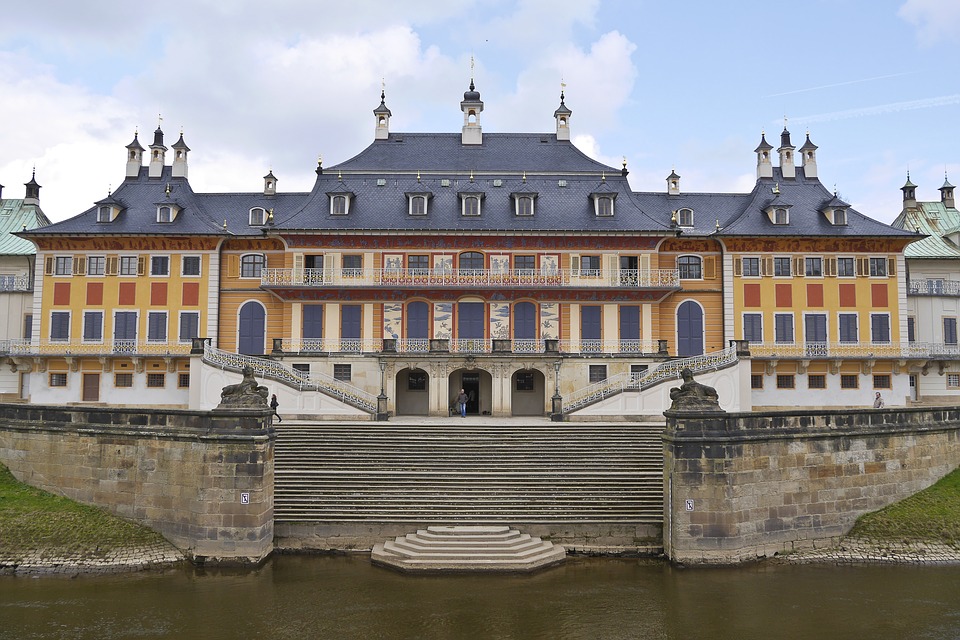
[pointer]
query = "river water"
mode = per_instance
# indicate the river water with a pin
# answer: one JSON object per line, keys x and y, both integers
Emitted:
{"x": 344, "y": 597}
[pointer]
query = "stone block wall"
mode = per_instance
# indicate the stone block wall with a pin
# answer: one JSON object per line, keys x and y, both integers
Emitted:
{"x": 741, "y": 486}
{"x": 202, "y": 479}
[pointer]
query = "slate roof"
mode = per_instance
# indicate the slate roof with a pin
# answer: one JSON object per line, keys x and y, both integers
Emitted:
{"x": 15, "y": 216}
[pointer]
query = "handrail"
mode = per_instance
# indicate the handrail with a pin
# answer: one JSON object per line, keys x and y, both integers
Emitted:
{"x": 933, "y": 287}
{"x": 668, "y": 370}
{"x": 633, "y": 278}
{"x": 264, "y": 367}
{"x": 107, "y": 347}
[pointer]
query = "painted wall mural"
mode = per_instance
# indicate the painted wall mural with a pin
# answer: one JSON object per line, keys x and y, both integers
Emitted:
{"x": 499, "y": 264}
{"x": 550, "y": 321}
{"x": 392, "y": 320}
{"x": 443, "y": 320}
{"x": 500, "y": 321}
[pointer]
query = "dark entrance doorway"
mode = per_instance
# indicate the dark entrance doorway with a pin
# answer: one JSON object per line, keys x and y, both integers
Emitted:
{"x": 470, "y": 381}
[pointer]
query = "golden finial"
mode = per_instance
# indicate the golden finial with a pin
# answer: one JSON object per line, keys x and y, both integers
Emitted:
{"x": 339, "y": 175}
{"x": 159, "y": 120}
{"x": 270, "y": 216}
{"x": 603, "y": 176}
{"x": 167, "y": 189}
{"x": 224, "y": 224}
{"x": 776, "y": 188}
{"x": 624, "y": 162}
{"x": 471, "y": 175}
{"x": 418, "y": 176}
{"x": 718, "y": 224}
{"x": 524, "y": 177}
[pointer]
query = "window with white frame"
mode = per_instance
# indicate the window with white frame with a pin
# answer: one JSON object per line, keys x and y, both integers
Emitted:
{"x": 783, "y": 328}
{"x": 96, "y": 265}
{"x": 523, "y": 204}
{"x": 190, "y": 265}
{"x": 847, "y": 324}
{"x": 781, "y": 216}
{"x": 753, "y": 327}
{"x": 690, "y": 267}
{"x": 685, "y": 217}
{"x": 251, "y": 265}
{"x": 880, "y": 328}
{"x": 814, "y": 267}
{"x": 878, "y": 267}
{"x": 846, "y": 268}
{"x": 128, "y": 265}
{"x": 839, "y": 217}
{"x": 339, "y": 204}
{"x": 93, "y": 326}
{"x": 417, "y": 204}
{"x": 104, "y": 213}
{"x": 750, "y": 267}
{"x": 258, "y": 217}
{"x": 63, "y": 266}
{"x": 160, "y": 265}
{"x": 59, "y": 326}
{"x": 603, "y": 206}
{"x": 589, "y": 265}
{"x": 781, "y": 266}
{"x": 164, "y": 213}
{"x": 469, "y": 204}
{"x": 157, "y": 326}
{"x": 189, "y": 325}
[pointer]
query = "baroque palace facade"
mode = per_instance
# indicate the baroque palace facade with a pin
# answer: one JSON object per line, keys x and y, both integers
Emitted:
{"x": 510, "y": 265}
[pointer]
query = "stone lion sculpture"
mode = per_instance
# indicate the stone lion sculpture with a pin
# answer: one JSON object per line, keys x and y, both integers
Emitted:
{"x": 246, "y": 393}
{"x": 693, "y": 396}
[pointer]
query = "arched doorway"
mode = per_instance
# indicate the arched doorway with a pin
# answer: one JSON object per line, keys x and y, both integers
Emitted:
{"x": 527, "y": 393}
{"x": 252, "y": 333}
{"x": 689, "y": 329}
{"x": 412, "y": 392}
{"x": 477, "y": 384}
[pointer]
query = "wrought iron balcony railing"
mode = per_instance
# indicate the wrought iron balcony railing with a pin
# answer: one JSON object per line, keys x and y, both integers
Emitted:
{"x": 109, "y": 347}
{"x": 936, "y": 287}
{"x": 831, "y": 350}
{"x": 15, "y": 283}
{"x": 627, "y": 278}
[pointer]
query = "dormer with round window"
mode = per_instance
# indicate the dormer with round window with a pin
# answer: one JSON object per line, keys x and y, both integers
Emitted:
{"x": 470, "y": 204}
{"x": 167, "y": 212}
{"x": 258, "y": 217}
{"x": 340, "y": 202}
{"x": 778, "y": 213}
{"x": 523, "y": 204}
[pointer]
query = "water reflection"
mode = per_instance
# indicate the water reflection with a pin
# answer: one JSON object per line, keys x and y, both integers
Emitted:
{"x": 344, "y": 598}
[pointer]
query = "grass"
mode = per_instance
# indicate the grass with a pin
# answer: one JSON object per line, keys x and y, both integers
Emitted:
{"x": 933, "y": 515}
{"x": 32, "y": 520}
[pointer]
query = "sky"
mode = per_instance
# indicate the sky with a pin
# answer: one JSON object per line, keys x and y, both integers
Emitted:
{"x": 687, "y": 85}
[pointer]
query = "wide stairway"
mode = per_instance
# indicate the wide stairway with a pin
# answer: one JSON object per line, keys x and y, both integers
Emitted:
{"x": 469, "y": 472}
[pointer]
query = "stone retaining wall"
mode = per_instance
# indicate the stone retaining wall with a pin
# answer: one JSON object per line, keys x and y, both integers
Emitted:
{"x": 741, "y": 486}
{"x": 203, "y": 479}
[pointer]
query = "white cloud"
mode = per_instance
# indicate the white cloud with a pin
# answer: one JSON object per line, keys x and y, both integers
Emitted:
{"x": 935, "y": 20}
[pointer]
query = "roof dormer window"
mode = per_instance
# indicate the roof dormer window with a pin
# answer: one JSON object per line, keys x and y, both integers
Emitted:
{"x": 258, "y": 217}
{"x": 105, "y": 213}
{"x": 839, "y": 217}
{"x": 167, "y": 213}
{"x": 417, "y": 203}
{"x": 470, "y": 204}
{"x": 603, "y": 204}
{"x": 685, "y": 217}
{"x": 523, "y": 203}
{"x": 781, "y": 216}
{"x": 340, "y": 203}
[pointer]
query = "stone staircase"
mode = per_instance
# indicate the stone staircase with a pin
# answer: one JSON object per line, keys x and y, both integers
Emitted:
{"x": 469, "y": 472}
{"x": 458, "y": 548}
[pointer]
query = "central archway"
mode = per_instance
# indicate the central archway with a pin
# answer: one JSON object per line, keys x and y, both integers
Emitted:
{"x": 478, "y": 385}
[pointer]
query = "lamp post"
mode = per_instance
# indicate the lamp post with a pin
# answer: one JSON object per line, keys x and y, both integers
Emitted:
{"x": 557, "y": 413}
{"x": 382, "y": 398}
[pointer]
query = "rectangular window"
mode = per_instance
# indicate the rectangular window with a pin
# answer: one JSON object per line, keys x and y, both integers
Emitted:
{"x": 417, "y": 381}
{"x": 591, "y": 326}
{"x": 846, "y": 268}
{"x": 342, "y": 372}
{"x": 183, "y": 380}
{"x": 953, "y": 380}
{"x": 690, "y": 267}
{"x": 93, "y": 326}
{"x": 814, "y": 267}
{"x": 157, "y": 326}
{"x": 352, "y": 266}
{"x": 60, "y": 326}
{"x": 785, "y": 381}
{"x": 783, "y": 327}
{"x": 816, "y": 381}
{"x": 598, "y": 373}
{"x": 526, "y": 265}
{"x": 302, "y": 367}
{"x": 418, "y": 265}
{"x": 815, "y": 328}
{"x": 63, "y": 266}
{"x": 350, "y": 321}
{"x": 881, "y": 381}
{"x": 156, "y": 380}
{"x": 191, "y": 265}
{"x": 753, "y": 327}
{"x": 251, "y": 266}
{"x": 128, "y": 265}
{"x": 189, "y": 325}
{"x": 878, "y": 267}
{"x": 781, "y": 266}
{"x": 879, "y": 328}
{"x": 58, "y": 379}
{"x": 949, "y": 331}
{"x": 848, "y": 327}
{"x": 756, "y": 381}
{"x": 589, "y": 265}
{"x": 28, "y": 326}
{"x": 750, "y": 267}
{"x": 160, "y": 265}
{"x": 911, "y": 331}
{"x": 125, "y": 326}
{"x": 849, "y": 381}
{"x": 95, "y": 265}
{"x": 123, "y": 380}
{"x": 312, "y": 322}
{"x": 524, "y": 381}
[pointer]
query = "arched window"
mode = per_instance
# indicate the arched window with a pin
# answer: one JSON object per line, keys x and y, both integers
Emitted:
{"x": 689, "y": 267}
{"x": 604, "y": 206}
{"x": 418, "y": 205}
{"x": 685, "y": 217}
{"x": 258, "y": 217}
{"x": 338, "y": 205}
{"x": 471, "y": 205}
{"x": 251, "y": 265}
{"x": 524, "y": 205}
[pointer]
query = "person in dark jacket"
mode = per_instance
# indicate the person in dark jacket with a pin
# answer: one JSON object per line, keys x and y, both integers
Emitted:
{"x": 274, "y": 403}
{"x": 462, "y": 402}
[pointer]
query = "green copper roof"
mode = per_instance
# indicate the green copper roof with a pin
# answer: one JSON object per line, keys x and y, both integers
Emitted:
{"x": 17, "y": 216}
{"x": 936, "y": 221}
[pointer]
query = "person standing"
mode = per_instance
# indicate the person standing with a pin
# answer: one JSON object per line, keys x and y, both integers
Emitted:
{"x": 274, "y": 403}
{"x": 462, "y": 402}
{"x": 878, "y": 401}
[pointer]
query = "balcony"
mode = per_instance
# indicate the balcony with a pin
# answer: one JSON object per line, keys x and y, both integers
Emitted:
{"x": 937, "y": 287}
{"x": 109, "y": 348}
{"x": 15, "y": 283}
{"x": 853, "y": 350}
{"x": 471, "y": 346}
{"x": 666, "y": 279}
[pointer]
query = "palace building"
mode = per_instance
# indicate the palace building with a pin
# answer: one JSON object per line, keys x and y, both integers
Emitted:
{"x": 510, "y": 265}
